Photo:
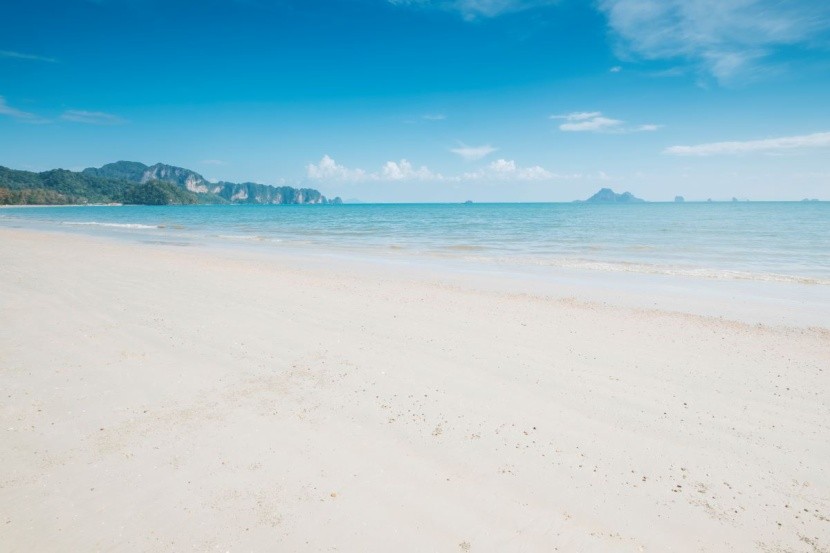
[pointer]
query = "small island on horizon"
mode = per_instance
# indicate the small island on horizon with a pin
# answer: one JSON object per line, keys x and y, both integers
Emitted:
{"x": 608, "y": 196}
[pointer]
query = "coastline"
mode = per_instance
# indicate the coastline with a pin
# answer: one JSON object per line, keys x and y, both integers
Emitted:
{"x": 4, "y": 206}
{"x": 167, "y": 397}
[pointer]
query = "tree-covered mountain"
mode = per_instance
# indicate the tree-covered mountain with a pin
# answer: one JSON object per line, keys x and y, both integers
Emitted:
{"x": 230, "y": 192}
{"x": 132, "y": 182}
{"x": 156, "y": 192}
{"x": 58, "y": 186}
{"x": 120, "y": 170}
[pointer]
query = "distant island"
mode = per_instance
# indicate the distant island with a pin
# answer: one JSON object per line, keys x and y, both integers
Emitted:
{"x": 608, "y": 196}
{"x": 130, "y": 182}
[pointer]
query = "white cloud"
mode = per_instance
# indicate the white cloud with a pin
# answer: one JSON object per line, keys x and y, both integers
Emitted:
{"x": 594, "y": 121}
{"x": 328, "y": 169}
{"x": 615, "y": 69}
{"x": 20, "y": 115}
{"x": 816, "y": 140}
{"x": 434, "y": 117}
{"x": 27, "y": 57}
{"x": 509, "y": 169}
{"x": 723, "y": 38}
{"x": 91, "y": 117}
{"x": 473, "y": 153}
{"x": 503, "y": 166}
{"x": 403, "y": 170}
{"x": 474, "y": 9}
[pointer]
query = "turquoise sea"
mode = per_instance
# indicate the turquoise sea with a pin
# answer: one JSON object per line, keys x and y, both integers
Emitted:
{"x": 765, "y": 241}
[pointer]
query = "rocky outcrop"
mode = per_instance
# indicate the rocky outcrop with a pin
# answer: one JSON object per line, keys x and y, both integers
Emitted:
{"x": 184, "y": 178}
{"x": 608, "y": 196}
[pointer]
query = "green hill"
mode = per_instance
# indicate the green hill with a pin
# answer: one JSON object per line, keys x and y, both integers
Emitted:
{"x": 136, "y": 183}
{"x": 59, "y": 186}
{"x": 120, "y": 170}
{"x": 159, "y": 193}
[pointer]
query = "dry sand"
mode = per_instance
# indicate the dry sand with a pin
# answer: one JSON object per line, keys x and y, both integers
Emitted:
{"x": 183, "y": 399}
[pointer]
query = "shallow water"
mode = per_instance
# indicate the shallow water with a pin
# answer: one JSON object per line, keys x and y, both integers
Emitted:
{"x": 763, "y": 241}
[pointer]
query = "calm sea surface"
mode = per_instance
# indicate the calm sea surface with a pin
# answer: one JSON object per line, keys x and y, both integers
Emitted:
{"x": 774, "y": 241}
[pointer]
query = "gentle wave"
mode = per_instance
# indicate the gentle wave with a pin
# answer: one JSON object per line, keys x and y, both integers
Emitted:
{"x": 111, "y": 225}
{"x": 251, "y": 237}
{"x": 645, "y": 268}
{"x": 465, "y": 247}
{"x": 775, "y": 242}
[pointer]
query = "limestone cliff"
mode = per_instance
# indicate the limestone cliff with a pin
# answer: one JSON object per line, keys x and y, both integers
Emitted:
{"x": 208, "y": 192}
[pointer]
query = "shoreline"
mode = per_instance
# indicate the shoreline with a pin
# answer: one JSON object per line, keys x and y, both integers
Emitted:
{"x": 167, "y": 398}
{"x": 802, "y": 303}
{"x": 3, "y": 206}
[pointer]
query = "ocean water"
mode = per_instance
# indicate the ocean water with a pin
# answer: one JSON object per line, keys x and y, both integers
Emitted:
{"x": 764, "y": 241}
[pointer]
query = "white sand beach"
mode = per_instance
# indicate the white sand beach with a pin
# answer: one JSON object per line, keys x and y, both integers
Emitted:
{"x": 163, "y": 398}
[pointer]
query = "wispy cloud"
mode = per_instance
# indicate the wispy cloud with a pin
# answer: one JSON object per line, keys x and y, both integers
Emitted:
{"x": 615, "y": 69}
{"x": 473, "y": 153}
{"x": 594, "y": 121}
{"x": 20, "y": 115}
{"x": 92, "y": 117}
{"x": 769, "y": 145}
{"x": 27, "y": 57}
{"x": 434, "y": 117}
{"x": 474, "y": 9}
{"x": 726, "y": 39}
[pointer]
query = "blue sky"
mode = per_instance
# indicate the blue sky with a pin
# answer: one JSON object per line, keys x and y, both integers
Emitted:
{"x": 428, "y": 100}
